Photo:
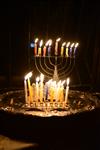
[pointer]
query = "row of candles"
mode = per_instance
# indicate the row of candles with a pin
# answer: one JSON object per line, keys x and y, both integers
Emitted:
{"x": 68, "y": 49}
{"x": 51, "y": 90}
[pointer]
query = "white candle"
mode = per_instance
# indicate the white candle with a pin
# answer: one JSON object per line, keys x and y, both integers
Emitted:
{"x": 67, "y": 90}
{"x": 56, "y": 46}
{"x": 76, "y": 45}
{"x": 27, "y": 77}
{"x": 37, "y": 88}
{"x": 49, "y": 48}
{"x": 71, "y": 49}
{"x": 25, "y": 88}
{"x": 41, "y": 86}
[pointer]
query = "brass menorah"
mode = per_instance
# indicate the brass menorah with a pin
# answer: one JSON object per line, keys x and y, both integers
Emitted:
{"x": 56, "y": 63}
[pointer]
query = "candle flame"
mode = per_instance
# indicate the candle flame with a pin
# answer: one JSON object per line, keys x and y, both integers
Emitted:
{"x": 58, "y": 39}
{"x": 76, "y": 45}
{"x": 50, "y": 81}
{"x": 41, "y": 77}
{"x": 68, "y": 44}
{"x": 50, "y": 42}
{"x": 68, "y": 80}
{"x": 41, "y": 43}
{"x": 72, "y": 45}
{"x": 59, "y": 83}
{"x": 63, "y": 82}
{"x": 37, "y": 79}
{"x": 64, "y": 44}
{"x": 28, "y": 75}
{"x": 36, "y": 40}
{"x": 47, "y": 43}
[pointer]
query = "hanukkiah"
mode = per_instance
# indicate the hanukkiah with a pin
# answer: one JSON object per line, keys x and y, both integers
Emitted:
{"x": 55, "y": 61}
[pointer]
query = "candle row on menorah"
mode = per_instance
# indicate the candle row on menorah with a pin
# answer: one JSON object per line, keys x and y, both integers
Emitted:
{"x": 46, "y": 49}
{"x": 40, "y": 91}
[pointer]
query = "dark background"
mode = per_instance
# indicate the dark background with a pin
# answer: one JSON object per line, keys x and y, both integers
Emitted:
{"x": 21, "y": 22}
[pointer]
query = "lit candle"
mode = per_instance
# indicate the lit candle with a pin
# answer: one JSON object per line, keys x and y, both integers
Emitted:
{"x": 67, "y": 90}
{"x": 39, "y": 49}
{"x": 51, "y": 92}
{"x": 62, "y": 91}
{"x": 76, "y": 45}
{"x": 44, "y": 49}
{"x": 41, "y": 87}
{"x": 56, "y": 46}
{"x": 67, "y": 49}
{"x": 46, "y": 90}
{"x": 27, "y": 77}
{"x": 55, "y": 88}
{"x": 58, "y": 90}
{"x": 49, "y": 48}
{"x": 37, "y": 88}
{"x": 35, "y": 48}
{"x": 71, "y": 49}
{"x": 34, "y": 91}
{"x": 62, "y": 48}
{"x": 25, "y": 87}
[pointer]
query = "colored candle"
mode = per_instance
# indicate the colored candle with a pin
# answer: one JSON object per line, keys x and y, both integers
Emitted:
{"x": 44, "y": 51}
{"x": 67, "y": 52}
{"x": 62, "y": 48}
{"x": 62, "y": 51}
{"x": 30, "y": 91}
{"x": 35, "y": 48}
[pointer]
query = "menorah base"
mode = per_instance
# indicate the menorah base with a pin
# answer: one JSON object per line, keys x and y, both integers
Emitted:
{"x": 48, "y": 106}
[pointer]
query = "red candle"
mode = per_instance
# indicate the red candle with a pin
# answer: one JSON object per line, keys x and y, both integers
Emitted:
{"x": 44, "y": 51}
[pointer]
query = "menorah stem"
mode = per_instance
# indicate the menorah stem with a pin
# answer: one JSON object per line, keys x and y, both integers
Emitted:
{"x": 55, "y": 76}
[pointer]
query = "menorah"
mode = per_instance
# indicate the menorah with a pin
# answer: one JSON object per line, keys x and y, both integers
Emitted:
{"x": 56, "y": 63}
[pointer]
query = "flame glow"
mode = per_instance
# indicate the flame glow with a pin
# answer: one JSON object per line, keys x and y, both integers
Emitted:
{"x": 68, "y": 44}
{"x": 58, "y": 39}
{"x": 41, "y": 43}
{"x": 36, "y": 40}
{"x": 64, "y": 44}
{"x": 72, "y": 45}
{"x": 76, "y": 45}
{"x": 37, "y": 79}
{"x": 68, "y": 81}
{"x": 28, "y": 75}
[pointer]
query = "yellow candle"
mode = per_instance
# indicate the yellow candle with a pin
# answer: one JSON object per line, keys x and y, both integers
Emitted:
{"x": 34, "y": 91}
{"x": 30, "y": 92}
{"x": 62, "y": 48}
{"x": 62, "y": 51}
{"x": 39, "y": 49}
{"x": 66, "y": 51}
{"x": 52, "y": 93}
